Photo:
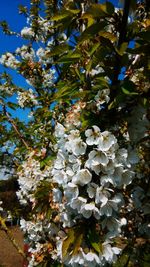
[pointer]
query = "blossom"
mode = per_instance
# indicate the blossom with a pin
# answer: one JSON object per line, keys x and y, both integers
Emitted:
{"x": 78, "y": 203}
{"x": 57, "y": 195}
{"x": 101, "y": 196}
{"x": 78, "y": 147}
{"x": 9, "y": 60}
{"x": 59, "y": 176}
{"x": 83, "y": 177}
{"x": 91, "y": 190}
{"x": 71, "y": 192}
{"x": 106, "y": 141}
{"x": 27, "y": 98}
{"x": 92, "y": 259}
{"x": 102, "y": 97}
{"x": 59, "y": 130}
{"x": 95, "y": 160}
{"x": 92, "y": 135}
{"x": 27, "y": 32}
{"x": 60, "y": 161}
{"x": 88, "y": 209}
{"x": 109, "y": 253}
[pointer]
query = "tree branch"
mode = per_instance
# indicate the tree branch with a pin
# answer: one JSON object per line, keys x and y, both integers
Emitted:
{"x": 122, "y": 38}
{"x": 12, "y": 122}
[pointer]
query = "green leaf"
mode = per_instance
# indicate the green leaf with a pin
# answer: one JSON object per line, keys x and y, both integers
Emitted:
{"x": 101, "y": 10}
{"x": 94, "y": 48}
{"x": 73, "y": 241}
{"x": 125, "y": 91}
{"x": 77, "y": 242}
{"x": 92, "y": 30}
{"x": 68, "y": 242}
{"x": 58, "y": 50}
{"x": 70, "y": 58}
{"x": 94, "y": 240}
{"x": 122, "y": 48}
{"x": 129, "y": 88}
{"x": 89, "y": 18}
{"x": 64, "y": 14}
{"x": 74, "y": 11}
{"x": 108, "y": 35}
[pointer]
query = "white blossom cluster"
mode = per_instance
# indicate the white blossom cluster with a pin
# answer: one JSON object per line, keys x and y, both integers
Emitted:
{"x": 44, "y": 27}
{"x": 91, "y": 259}
{"x": 27, "y": 32}
{"x": 25, "y": 52}
{"x": 27, "y": 97}
{"x": 89, "y": 171}
{"x": 30, "y": 176}
{"x": 9, "y": 61}
{"x": 48, "y": 77}
{"x": 39, "y": 233}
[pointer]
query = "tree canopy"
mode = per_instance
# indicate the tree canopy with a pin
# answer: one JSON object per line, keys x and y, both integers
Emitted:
{"x": 82, "y": 154}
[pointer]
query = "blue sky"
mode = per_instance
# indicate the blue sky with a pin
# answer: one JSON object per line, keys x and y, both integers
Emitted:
{"x": 9, "y": 12}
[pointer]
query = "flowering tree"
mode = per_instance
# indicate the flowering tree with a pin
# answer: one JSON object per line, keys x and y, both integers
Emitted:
{"x": 82, "y": 155}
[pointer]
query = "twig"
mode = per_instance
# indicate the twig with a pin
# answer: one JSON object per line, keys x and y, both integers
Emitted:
{"x": 122, "y": 37}
{"x": 12, "y": 122}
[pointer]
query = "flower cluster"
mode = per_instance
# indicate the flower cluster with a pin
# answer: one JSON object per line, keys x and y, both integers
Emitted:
{"x": 26, "y": 98}
{"x": 39, "y": 233}
{"x": 27, "y": 32}
{"x": 30, "y": 176}
{"x": 89, "y": 169}
{"x": 25, "y": 52}
{"x": 9, "y": 61}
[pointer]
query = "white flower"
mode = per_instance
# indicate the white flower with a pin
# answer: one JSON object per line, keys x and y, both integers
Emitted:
{"x": 108, "y": 206}
{"x": 102, "y": 97}
{"x": 117, "y": 176}
{"x": 59, "y": 176}
{"x": 71, "y": 192}
{"x": 88, "y": 209}
{"x": 92, "y": 258}
{"x": 57, "y": 195}
{"x": 101, "y": 196}
{"x": 92, "y": 135}
{"x": 27, "y": 32}
{"x": 95, "y": 160}
{"x": 106, "y": 141}
{"x": 82, "y": 178}
{"x": 78, "y": 203}
{"x": 109, "y": 253}
{"x": 127, "y": 177}
{"x": 59, "y": 130}
{"x": 76, "y": 163}
{"x": 112, "y": 224}
{"x": 74, "y": 134}
{"x": 78, "y": 147}
{"x": 60, "y": 161}
{"x": 91, "y": 190}
{"x": 76, "y": 260}
{"x": 9, "y": 60}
